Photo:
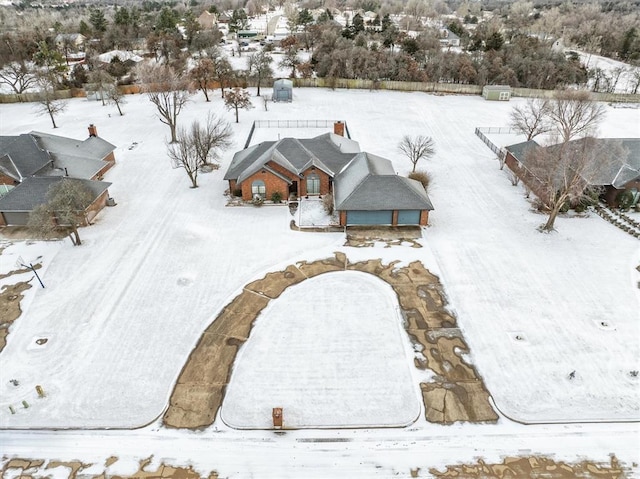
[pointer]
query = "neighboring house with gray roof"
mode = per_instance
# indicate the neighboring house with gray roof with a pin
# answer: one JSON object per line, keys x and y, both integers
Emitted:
{"x": 365, "y": 187}
{"x": 622, "y": 172}
{"x": 32, "y": 192}
{"x": 30, "y": 163}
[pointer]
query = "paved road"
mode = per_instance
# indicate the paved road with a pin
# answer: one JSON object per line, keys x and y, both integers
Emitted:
{"x": 347, "y": 453}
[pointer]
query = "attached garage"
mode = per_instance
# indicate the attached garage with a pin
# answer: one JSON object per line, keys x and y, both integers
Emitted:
{"x": 384, "y": 217}
{"x": 409, "y": 217}
{"x": 15, "y": 217}
{"x": 368, "y": 192}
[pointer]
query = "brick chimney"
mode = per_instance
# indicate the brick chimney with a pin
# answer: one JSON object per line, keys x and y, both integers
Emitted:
{"x": 93, "y": 130}
{"x": 338, "y": 128}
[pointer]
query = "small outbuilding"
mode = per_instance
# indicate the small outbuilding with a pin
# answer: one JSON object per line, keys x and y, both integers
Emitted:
{"x": 283, "y": 90}
{"x": 496, "y": 92}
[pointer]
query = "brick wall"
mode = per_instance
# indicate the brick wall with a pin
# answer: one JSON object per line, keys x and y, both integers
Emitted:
{"x": 324, "y": 182}
{"x": 272, "y": 184}
{"x": 95, "y": 207}
{"x": 534, "y": 184}
{"x": 7, "y": 180}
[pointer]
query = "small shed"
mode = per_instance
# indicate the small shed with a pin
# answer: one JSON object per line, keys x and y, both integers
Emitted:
{"x": 283, "y": 90}
{"x": 496, "y": 92}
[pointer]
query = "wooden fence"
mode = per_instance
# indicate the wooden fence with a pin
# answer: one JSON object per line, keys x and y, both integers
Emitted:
{"x": 343, "y": 83}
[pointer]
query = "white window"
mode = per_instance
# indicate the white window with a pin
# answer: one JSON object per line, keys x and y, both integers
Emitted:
{"x": 258, "y": 188}
{"x": 313, "y": 184}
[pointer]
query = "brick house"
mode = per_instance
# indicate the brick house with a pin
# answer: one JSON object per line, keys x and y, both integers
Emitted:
{"x": 32, "y": 162}
{"x": 622, "y": 174}
{"x": 365, "y": 188}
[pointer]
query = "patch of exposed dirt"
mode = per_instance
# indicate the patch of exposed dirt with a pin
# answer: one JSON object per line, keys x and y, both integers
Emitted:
{"x": 366, "y": 236}
{"x": 24, "y": 468}
{"x": 10, "y": 297}
{"x": 532, "y": 466}
{"x": 458, "y": 394}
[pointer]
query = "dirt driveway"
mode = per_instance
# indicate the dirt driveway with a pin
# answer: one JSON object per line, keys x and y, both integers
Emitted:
{"x": 457, "y": 392}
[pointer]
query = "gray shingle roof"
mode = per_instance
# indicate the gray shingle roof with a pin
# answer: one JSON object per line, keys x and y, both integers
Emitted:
{"x": 33, "y": 192}
{"x": 369, "y": 183}
{"x": 33, "y": 153}
{"x": 619, "y": 169}
{"x": 93, "y": 147}
{"x": 22, "y": 155}
{"x": 328, "y": 152}
{"x": 519, "y": 150}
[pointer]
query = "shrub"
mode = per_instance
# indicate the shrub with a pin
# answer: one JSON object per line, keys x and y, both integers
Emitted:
{"x": 237, "y": 192}
{"x": 327, "y": 204}
{"x": 276, "y": 197}
{"x": 624, "y": 199}
{"x": 423, "y": 177}
{"x": 257, "y": 200}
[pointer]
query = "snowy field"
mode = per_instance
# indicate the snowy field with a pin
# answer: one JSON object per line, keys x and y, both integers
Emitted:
{"x": 325, "y": 345}
{"x": 123, "y": 311}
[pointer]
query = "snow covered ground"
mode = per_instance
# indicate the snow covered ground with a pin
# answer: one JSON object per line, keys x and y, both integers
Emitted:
{"x": 123, "y": 311}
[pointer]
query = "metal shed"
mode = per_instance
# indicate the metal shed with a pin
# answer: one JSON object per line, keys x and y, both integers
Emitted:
{"x": 283, "y": 90}
{"x": 496, "y": 92}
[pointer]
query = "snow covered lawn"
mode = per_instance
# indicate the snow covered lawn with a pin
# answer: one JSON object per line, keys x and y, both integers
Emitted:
{"x": 331, "y": 344}
{"x": 123, "y": 311}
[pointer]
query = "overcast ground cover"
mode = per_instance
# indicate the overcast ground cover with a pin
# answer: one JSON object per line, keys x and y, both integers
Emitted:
{"x": 123, "y": 311}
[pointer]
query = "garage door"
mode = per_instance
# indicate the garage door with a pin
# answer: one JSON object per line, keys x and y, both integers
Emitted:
{"x": 369, "y": 217}
{"x": 409, "y": 217}
{"x": 16, "y": 218}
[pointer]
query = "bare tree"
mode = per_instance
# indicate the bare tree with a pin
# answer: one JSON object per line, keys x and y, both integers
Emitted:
{"x": 18, "y": 75}
{"x": 101, "y": 81}
{"x": 259, "y": 66}
{"x": 563, "y": 173}
{"x": 224, "y": 73}
{"x": 199, "y": 146}
{"x": 65, "y": 208}
{"x": 574, "y": 114}
{"x": 168, "y": 90}
{"x": 416, "y": 148}
{"x": 531, "y": 119}
{"x": 47, "y": 103}
{"x": 237, "y": 98}
{"x": 116, "y": 97}
{"x": 183, "y": 155}
{"x": 290, "y": 59}
{"x": 202, "y": 74}
{"x": 210, "y": 138}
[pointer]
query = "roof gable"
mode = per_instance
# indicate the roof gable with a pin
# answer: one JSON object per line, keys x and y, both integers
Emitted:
{"x": 369, "y": 183}
{"x": 92, "y": 147}
{"x": 24, "y": 155}
{"x": 295, "y": 155}
{"x": 33, "y": 191}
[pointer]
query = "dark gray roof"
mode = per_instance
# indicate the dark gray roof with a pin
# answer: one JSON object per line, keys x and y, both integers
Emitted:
{"x": 43, "y": 154}
{"x": 519, "y": 150}
{"x": 92, "y": 147}
{"x": 328, "y": 152}
{"x": 21, "y": 156}
{"x": 369, "y": 183}
{"x": 620, "y": 160}
{"x": 33, "y": 191}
